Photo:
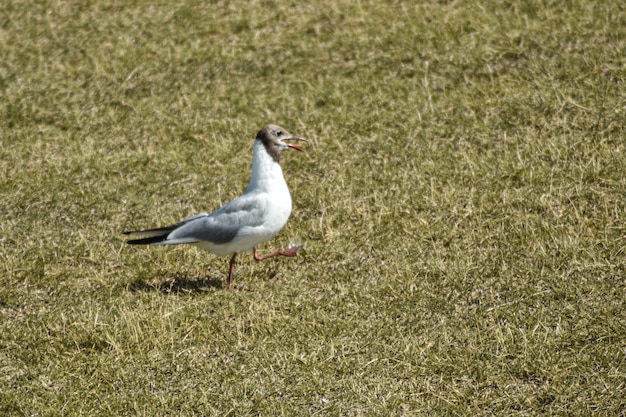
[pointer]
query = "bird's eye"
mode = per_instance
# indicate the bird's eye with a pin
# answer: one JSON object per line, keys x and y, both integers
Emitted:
{"x": 279, "y": 133}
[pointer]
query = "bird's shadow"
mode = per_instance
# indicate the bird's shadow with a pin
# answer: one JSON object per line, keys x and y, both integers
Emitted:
{"x": 176, "y": 284}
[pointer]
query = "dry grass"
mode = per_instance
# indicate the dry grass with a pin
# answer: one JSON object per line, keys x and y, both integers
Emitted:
{"x": 461, "y": 203}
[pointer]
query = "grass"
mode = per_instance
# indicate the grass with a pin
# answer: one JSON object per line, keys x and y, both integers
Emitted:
{"x": 461, "y": 202}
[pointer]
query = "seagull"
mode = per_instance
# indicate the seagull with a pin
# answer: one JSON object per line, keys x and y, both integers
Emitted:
{"x": 250, "y": 219}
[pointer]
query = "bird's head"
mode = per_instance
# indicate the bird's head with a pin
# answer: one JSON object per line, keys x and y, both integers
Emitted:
{"x": 276, "y": 139}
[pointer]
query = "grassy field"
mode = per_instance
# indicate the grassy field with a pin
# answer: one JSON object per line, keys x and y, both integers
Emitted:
{"x": 461, "y": 202}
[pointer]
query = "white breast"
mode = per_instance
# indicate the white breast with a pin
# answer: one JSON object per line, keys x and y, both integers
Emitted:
{"x": 269, "y": 191}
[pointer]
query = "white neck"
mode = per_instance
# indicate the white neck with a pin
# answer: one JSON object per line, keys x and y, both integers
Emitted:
{"x": 267, "y": 176}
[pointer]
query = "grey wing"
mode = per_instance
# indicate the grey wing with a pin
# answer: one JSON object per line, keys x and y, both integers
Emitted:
{"x": 160, "y": 234}
{"x": 221, "y": 226}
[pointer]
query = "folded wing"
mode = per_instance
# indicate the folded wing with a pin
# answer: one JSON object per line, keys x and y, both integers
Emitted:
{"x": 219, "y": 227}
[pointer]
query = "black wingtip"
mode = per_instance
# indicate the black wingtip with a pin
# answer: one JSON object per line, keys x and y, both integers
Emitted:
{"x": 146, "y": 241}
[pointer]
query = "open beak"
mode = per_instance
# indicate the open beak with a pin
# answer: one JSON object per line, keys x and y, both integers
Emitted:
{"x": 293, "y": 146}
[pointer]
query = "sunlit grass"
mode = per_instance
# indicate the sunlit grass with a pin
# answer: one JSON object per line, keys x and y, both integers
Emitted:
{"x": 461, "y": 203}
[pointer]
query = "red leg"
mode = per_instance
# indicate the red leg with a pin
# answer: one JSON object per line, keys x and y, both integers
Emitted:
{"x": 291, "y": 251}
{"x": 230, "y": 272}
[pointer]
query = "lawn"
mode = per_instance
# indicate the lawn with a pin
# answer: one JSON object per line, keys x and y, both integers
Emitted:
{"x": 461, "y": 202}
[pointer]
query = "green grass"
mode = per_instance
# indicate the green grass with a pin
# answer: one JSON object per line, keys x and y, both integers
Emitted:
{"x": 462, "y": 204}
